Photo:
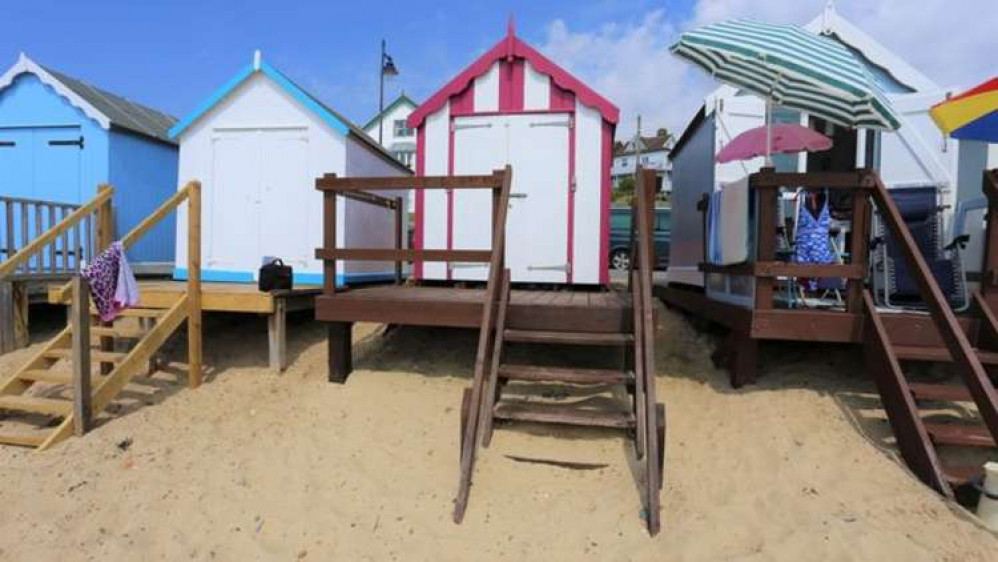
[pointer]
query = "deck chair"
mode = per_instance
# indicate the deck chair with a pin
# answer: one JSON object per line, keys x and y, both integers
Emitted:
{"x": 893, "y": 282}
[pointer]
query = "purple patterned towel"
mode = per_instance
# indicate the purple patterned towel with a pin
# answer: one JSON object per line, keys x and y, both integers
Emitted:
{"x": 112, "y": 285}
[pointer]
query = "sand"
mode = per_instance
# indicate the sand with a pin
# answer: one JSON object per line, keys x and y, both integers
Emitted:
{"x": 260, "y": 466}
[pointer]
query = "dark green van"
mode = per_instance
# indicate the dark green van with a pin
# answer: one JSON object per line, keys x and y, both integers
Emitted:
{"x": 620, "y": 237}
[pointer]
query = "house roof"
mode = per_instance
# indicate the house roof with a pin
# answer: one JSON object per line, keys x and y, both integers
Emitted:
{"x": 510, "y": 47}
{"x": 402, "y": 99}
{"x": 830, "y": 23}
{"x": 327, "y": 114}
{"x": 108, "y": 109}
{"x": 648, "y": 144}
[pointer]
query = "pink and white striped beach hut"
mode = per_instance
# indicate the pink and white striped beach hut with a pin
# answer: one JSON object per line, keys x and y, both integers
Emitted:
{"x": 515, "y": 106}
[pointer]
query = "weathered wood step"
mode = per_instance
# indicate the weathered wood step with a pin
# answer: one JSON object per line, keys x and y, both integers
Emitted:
{"x": 95, "y": 355}
{"x": 136, "y": 312}
{"x": 571, "y": 338}
{"x": 565, "y": 375}
{"x": 53, "y": 377}
{"x": 117, "y": 332}
{"x": 960, "y": 475}
{"x": 959, "y": 434}
{"x": 36, "y": 405}
{"x": 558, "y": 414}
{"x": 944, "y": 392}
{"x": 939, "y": 354}
{"x": 23, "y": 439}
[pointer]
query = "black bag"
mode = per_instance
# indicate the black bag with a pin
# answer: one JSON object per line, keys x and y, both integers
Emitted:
{"x": 275, "y": 276}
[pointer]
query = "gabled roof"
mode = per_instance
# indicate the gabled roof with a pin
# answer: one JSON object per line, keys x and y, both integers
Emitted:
{"x": 829, "y": 22}
{"x": 648, "y": 144}
{"x": 401, "y": 100}
{"x": 511, "y": 47}
{"x": 331, "y": 117}
{"x": 107, "y": 109}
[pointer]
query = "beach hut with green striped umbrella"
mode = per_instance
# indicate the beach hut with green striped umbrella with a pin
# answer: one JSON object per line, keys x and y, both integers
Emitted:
{"x": 792, "y": 68}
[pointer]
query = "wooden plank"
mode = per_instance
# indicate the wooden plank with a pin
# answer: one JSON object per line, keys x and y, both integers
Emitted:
{"x": 768, "y": 177}
{"x": 339, "y": 351}
{"x": 806, "y": 325}
{"x": 787, "y": 269}
{"x": 902, "y": 413}
{"x": 7, "y": 340}
{"x": 567, "y": 338}
{"x": 859, "y": 243}
{"x": 96, "y": 356}
{"x": 959, "y": 434}
{"x": 330, "y": 182}
{"x": 193, "y": 313}
{"x": 14, "y": 385}
{"x": 765, "y": 241}
{"x": 940, "y": 392}
{"x": 388, "y": 254}
{"x": 37, "y": 405}
{"x": 534, "y": 373}
{"x": 492, "y": 388}
{"x": 938, "y": 354}
{"x": 399, "y": 236}
{"x": 328, "y": 239}
{"x": 80, "y": 322}
{"x": 552, "y": 413}
{"x": 277, "y": 336}
{"x": 22, "y": 439}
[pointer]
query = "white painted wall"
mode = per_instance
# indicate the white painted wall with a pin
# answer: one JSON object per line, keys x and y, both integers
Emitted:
{"x": 487, "y": 90}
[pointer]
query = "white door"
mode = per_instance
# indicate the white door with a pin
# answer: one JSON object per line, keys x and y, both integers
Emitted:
{"x": 232, "y": 240}
{"x": 285, "y": 198}
{"x": 537, "y": 226}
{"x": 481, "y": 145}
{"x": 537, "y": 146}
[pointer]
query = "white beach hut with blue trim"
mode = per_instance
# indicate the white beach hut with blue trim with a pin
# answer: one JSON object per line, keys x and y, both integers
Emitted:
{"x": 257, "y": 145}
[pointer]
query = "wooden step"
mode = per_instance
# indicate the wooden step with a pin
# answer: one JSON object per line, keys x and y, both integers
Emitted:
{"x": 938, "y": 354}
{"x": 36, "y": 405}
{"x": 95, "y": 355}
{"x": 960, "y": 475}
{"x": 53, "y": 377}
{"x": 565, "y": 375}
{"x": 959, "y": 434}
{"x": 943, "y": 392}
{"x": 558, "y": 414}
{"x": 571, "y": 338}
{"x": 117, "y": 332}
{"x": 136, "y": 312}
{"x": 33, "y": 439}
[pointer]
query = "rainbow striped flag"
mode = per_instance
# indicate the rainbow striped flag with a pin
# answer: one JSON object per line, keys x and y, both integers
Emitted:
{"x": 972, "y": 115}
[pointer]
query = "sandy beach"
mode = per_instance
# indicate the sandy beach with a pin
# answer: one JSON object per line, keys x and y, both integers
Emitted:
{"x": 260, "y": 466}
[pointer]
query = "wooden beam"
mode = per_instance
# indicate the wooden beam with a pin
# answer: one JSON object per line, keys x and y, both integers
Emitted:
{"x": 7, "y": 340}
{"x": 193, "y": 312}
{"x": 331, "y": 183}
{"x": 328, "y": 239}
{"x": 339, "y": 352}
{"x": 788, "y": 269}
{"x": 399, "y": 236}
{"x": 768, "y": 177}
{"x": 80, "y": 311}
{"x": 406, "y": 254}
{"x": 277, "y": 336}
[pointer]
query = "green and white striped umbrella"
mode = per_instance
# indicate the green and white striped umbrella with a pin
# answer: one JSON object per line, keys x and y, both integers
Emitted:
{"x": 791, "y": 68}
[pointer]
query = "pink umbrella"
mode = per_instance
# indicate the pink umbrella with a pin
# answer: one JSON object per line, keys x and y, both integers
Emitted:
{"x": 786, "y": 138}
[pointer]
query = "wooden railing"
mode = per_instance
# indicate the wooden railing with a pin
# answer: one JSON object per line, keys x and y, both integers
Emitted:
{"x": 989, "y": 265}
{"x": 358, "y": 189}
{"x": 765, "y": 185}
{"x": 76, "y": 237}
{"x": 640, "y": 282}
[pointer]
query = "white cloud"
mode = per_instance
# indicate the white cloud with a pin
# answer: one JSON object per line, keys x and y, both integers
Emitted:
{"x": 951, "y": 41}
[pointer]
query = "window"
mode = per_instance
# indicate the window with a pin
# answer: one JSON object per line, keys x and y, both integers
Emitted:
{"x": 644, "y": 159}
{"x": 405, "y": 157}
{"x": 623, "y": 161}
{"x": 401, "y": 130}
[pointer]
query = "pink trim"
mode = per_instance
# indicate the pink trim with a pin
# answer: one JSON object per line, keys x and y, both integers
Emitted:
{"x": 417, "y": 266}
{"x": 513, "y": 46}
{"x": 517, "y": 112}
{"x": 561, "y": 100}
{"x": 571, "y": 202}
{"x": 511, "y": 86}
{"x": 606, "y": 161}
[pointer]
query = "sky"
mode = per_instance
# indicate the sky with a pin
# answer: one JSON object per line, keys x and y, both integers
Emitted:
{"x": 172, "y": 54}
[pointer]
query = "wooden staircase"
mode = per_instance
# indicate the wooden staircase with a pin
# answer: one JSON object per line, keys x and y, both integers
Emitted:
{"x": 41, "y": 392}
{"x": 54, "y": 402}
{"x": 633, "y": 409}
{"x": 969, "y": 346}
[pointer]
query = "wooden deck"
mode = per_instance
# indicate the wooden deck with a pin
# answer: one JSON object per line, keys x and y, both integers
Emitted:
{"x": 586, "y": 311}
{"x": 217, "y": 297}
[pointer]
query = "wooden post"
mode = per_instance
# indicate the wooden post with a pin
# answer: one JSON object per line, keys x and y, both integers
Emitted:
{"x": 105, "y": 236}
{"x": 339, "y": 351}
{"x": 277, "y": 334}
{"x": 7, "y": 343}
{"x": 765, "y": 238}
{"x": 399, "y": 230}
{"x": 329, "y": 240}
{"x": 194, "y": 283}
{"x": 859, "y": 242}
{"x": 989, "y": 265}
{"x": 82, "y": 412}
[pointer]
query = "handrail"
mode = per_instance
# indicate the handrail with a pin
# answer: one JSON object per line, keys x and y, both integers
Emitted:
{"x": 989, "y": 265}
{"x": 644, "y": 330}
{"x": 104, "y": 193}
{"x": 955, "y": 339}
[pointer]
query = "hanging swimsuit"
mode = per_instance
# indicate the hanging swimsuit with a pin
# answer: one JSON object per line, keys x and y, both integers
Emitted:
{"x": 812, "y": 244}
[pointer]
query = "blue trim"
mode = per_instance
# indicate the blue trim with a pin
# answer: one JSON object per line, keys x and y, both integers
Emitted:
{"x": 216, "y": 275}
{"x": 281, "y": 80}
{"x": 222, "y": 276}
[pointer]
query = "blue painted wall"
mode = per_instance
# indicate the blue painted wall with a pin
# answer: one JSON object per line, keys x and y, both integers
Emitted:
{"x": 143, "y": 171}
{"x": 144, "y": 174}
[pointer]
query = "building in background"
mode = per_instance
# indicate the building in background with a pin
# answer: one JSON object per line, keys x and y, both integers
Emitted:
{"x": 396, "y": 136}
{"x": 651, "y": 152}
